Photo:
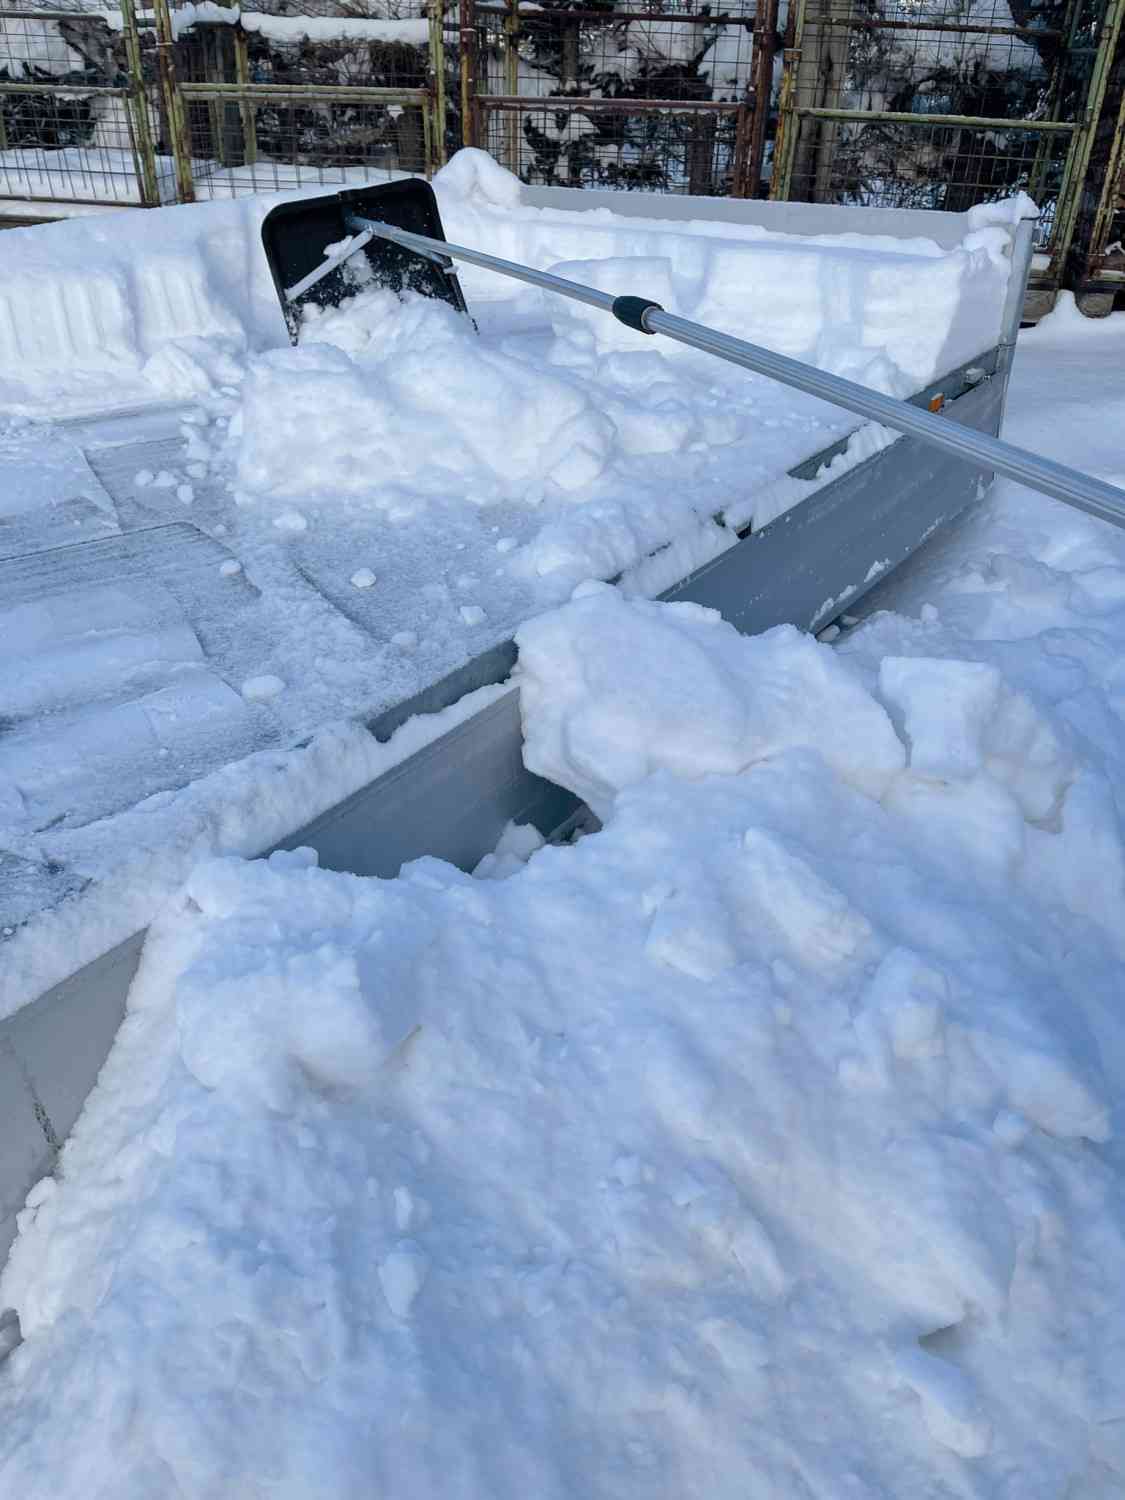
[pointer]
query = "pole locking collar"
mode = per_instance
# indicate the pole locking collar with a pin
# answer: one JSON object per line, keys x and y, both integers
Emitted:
{"x": 631, "y": 311}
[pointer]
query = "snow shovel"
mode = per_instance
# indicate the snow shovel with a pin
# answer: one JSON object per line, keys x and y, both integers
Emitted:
{"x": 327, "y": 248}
{"x": 315, "y": 258}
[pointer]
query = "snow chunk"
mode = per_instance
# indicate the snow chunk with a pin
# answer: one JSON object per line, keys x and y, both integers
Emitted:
{"x": 261, "y": 689}
{"x": 402, "y": 1276}
{"x": 612, "y": 689}
{"x": 361, "y": 393}
{"x": 473, "y": 174}
{"x": 946, "y": 706}
{"x": 262, "y": 1044}
{"x": 950, "y": 1406}
{"x": 517, "y": 844}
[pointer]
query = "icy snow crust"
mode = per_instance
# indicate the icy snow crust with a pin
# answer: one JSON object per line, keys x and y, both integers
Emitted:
{"x": 468, "y": 481}
{"x": 758, "y": 1144}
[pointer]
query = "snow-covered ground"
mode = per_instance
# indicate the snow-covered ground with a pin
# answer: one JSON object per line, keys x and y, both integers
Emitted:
{"x": 766, "y": 1142}
{"x": 277, "y": 540}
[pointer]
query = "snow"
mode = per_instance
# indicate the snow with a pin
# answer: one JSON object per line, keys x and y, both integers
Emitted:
{"x": 765, "y": 1141}
{"x": 106, "y": 174}
{"x": 758, "y": 696}
{"x": 412, "y": 31}
{"x": 142, "y": 855}
{"x": 478, "y": 477}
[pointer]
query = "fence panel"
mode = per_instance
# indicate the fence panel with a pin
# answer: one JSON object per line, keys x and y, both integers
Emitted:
{"x": 96, "y": 107}
{"x": 315, "y": 99}
{"x": 75, "y": 122}
{"x": 916, "y": 103}
{"x": 659, "y": 97}
{"x": 943, "y": 103}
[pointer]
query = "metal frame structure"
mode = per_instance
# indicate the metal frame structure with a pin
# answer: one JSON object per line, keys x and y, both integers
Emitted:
{"x": 800, "y": 122}
{"x": 138, "y": 181}
{"x": 179, "y": 126}
{"x": 191, "y": 109}
{"x": 723, "y": 138}
{"x": 1097, "y": 264}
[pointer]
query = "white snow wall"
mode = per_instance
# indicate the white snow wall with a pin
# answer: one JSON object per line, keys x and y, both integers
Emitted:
{"x": 128, "y": 307}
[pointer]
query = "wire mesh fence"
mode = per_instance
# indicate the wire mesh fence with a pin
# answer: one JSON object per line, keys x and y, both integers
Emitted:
{"x": 623, "y": 144}
{"x": 937, "y": 103}
{"x": 163, "y": 105}
{"x": 658, "y": 97}
{"x": 317, "y": 99}
{"x": 68, "y": 128}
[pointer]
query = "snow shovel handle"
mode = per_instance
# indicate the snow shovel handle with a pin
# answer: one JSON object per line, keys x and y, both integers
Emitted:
{"x": 1071, "y": 486}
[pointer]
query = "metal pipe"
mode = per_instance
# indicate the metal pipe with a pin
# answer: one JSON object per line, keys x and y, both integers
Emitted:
{"x": 468, "y": 49}
{"x": 897, "y": 117}
{"x": 761, "y": 65}
{"x": 68, "y": 90}
{"x": 245, "y": 106}
{"x": 965, "y": 28}
{"x": 1071, "y": 486}
{"x": 1095, "y": 497}
{"x": 547, "y": 103}
{"x": 442, "y": 251}
{"x": 1078, "y": 158}
{"x": 265, "y": 93}
{"x": 437, "y": 77}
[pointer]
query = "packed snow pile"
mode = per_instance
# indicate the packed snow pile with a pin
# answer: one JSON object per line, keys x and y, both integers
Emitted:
{"x": 762, "y": 1142}
{"x": 393, "y": 397}
{"x": 837, "y": 301}
{"x": 617, "y": 443}
{"x": 102, "y": 296}
{"x": 359, "y": 516}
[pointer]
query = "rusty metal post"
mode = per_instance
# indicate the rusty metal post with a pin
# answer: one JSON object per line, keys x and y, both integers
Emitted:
{"x": 1111, "y": 188}
{"x": 765, "y": 45}
{"x": 139, "y": 128}
{"x": 741, "y": 176}
{"x": 246, "y": 107}
{"x": 569, "y": 41}
{"x": 468, "y": 73}
{"x": 436, "y": 109}
{"x": 179, "y": 140}
{"x": 512, "y": 83}
{"x": 1042, "y": 162}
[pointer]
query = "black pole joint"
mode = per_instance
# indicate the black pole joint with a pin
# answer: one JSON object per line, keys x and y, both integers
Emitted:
{"x": 631, "y": 311}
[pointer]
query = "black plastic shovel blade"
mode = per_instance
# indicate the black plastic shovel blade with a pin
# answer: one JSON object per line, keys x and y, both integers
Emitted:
{"x": 296, "y": 237}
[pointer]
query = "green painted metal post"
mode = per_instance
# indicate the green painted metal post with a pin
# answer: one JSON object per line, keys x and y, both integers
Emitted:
{"x": 139, "y": 127}
{"x": 179, "y": 140}
{"x": 436, "y": 152}
{"x": 246, "y": 107}
{"x": 1078, "y": 159}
